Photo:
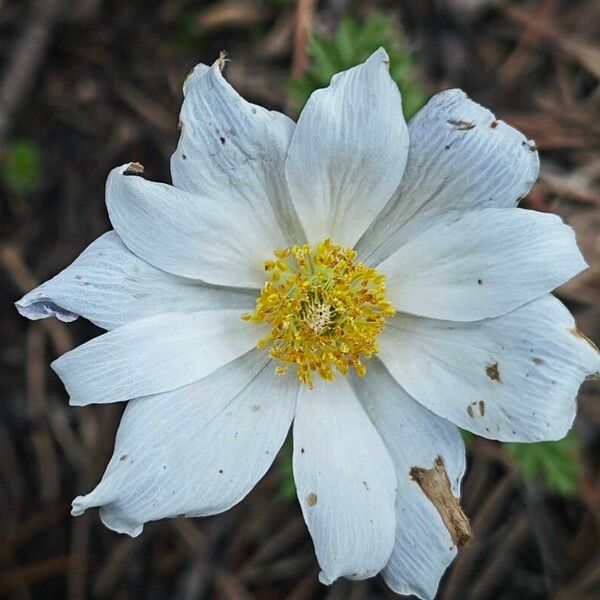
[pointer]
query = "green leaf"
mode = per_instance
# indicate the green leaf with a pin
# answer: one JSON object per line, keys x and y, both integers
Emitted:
{"x": 287, "y": 487}
{"x": 21, "y": 166}
{"x": 468, "y": 438}
{"x": 556, "y": 463}
{"x": 353, "y": 43}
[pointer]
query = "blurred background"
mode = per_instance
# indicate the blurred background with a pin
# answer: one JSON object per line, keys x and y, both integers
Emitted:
{"x": 89, "y": 84}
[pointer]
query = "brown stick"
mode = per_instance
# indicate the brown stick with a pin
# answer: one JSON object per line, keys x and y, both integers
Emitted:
{"x": 15, "y": 266}
{"x": 27, "y": 57}
{"x": 304, "y": 17}
{"x": 586, "y": 54}
{"x": 47, "y": 464}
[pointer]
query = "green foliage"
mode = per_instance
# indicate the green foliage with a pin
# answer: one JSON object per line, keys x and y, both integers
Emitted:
{"x": 287, "y": 487}
{"x": 557, "y": 463}
{"x": 21, "y": 167}
{"x": 354, "y": 43}
{"x": 468, "y": 438}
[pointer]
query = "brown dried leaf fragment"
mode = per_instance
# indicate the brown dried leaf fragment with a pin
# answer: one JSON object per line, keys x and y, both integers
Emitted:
{"x": 134, "y": 168}
{"x": 493, "y": 372}
{"x": 435, "y": 485}
{"x": 577, "y": 333}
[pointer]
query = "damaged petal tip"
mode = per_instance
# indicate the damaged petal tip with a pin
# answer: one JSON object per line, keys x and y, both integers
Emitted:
{"x": 77, "y": 507}
{"x": 435, "y": 485}
{"x": 134, "y": 168}
{"x": 324, "y": 579}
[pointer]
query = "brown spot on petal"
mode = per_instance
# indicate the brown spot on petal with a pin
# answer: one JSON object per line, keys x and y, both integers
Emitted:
{"x": 493, "y": 372}
{"x": 124, "y": 457}
{"x": 481, "y": 405}
{"x": 537, "y": 361}
{"x": 470, "y": 411}
{"x": 435, "y": 485}
{"x": 494, "y": 124}
{"x": 461, "y": 125}
{"x": 311, "y": 499}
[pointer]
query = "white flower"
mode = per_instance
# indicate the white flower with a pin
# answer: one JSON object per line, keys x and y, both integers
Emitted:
{"x": 234, "y": 306}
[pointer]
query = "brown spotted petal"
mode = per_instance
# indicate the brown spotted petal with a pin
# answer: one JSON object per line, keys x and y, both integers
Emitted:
{"x": 512, "y": 378}
{"x": 233, "y": 151}
{"x": 195, "y": 451}
{"x": 426, "y": 532}
{"x": 461, "y": 158}
{"x": 110, "y": 286}
{"x": 345, "y": 482}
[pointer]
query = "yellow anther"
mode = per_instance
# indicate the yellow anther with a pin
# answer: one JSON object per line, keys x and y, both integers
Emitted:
{"x": 324, "y": 309}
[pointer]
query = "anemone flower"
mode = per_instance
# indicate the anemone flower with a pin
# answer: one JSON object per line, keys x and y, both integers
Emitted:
{"x": 370, "y": 284}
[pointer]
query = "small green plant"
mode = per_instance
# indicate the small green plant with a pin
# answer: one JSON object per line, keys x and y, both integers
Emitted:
{"x": 20, "y": 167}
{"x": 556, "y": 463}
{"x": 355, "y": 42}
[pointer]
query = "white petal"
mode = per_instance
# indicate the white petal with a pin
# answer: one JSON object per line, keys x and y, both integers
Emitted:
{"x": 452, "y": 167}
{"x": 197, "y": 450}
{"x": 220, "y": 242}
{"x": 153, "y": 355}
{"x": 234, "y": 151}
{"x": 482, "y": 264}
{"x": 414, "y": 437}
{"x": 345, "y": 482}
{"x": 110, "y": 286}
{"x": 348, "y": 152}
{"x": 512, "y": 378}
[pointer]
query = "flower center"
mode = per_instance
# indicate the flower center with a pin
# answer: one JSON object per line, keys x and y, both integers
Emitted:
{"x": 325, "y": 310}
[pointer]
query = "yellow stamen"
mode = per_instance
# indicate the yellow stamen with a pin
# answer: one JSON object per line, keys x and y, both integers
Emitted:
{"x": 325, "y": 310}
